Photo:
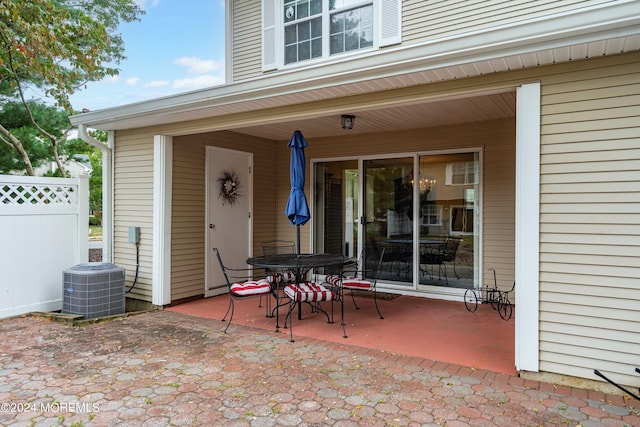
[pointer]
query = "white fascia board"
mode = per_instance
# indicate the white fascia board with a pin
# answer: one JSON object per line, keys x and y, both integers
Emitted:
{"x": 600, "y": 22}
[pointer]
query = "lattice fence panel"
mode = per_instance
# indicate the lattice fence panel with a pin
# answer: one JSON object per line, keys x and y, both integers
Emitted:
{"x": 18, "y": 194}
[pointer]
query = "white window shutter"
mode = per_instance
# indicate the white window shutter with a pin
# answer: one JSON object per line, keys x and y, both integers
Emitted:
{"x": 390, "y": 22}
{"x": 269, "y": 35}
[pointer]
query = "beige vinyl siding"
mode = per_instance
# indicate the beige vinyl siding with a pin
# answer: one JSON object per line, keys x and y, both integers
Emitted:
{"x": 590, "y": 220}
{"x": 133, "y": 204}
{"x": 247, "y": 39}
{"x": 133, "y": 207}
{"x": 498, "y": 207}
{"x": 188, "y": 203}
{"x": 429, "y": 20}
{"x": 188, "y": 218}
{"x": 497, "y": 139}
{"x": 422, "y": 21}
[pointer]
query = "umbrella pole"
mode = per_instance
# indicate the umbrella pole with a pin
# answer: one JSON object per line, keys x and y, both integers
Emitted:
{"x": 298, "y": 237}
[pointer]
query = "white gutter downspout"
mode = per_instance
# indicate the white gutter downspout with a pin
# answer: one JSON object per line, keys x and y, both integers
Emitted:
{"x": 107, "y": 188}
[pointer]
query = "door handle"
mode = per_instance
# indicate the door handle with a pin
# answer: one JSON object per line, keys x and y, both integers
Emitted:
{"x": 212, "y": 226}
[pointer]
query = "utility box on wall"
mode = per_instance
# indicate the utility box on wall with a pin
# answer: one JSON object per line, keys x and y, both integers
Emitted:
{"x": 93, "y": 289}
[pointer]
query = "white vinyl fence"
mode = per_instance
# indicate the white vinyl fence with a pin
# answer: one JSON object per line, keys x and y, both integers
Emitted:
{"x": 44, "y": 229}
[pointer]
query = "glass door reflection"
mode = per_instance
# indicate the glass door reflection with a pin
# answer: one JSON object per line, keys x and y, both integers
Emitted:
{"x": 388, "y": 216}
{"x": 336, "y": 193}
{"x": 447, "y": 191}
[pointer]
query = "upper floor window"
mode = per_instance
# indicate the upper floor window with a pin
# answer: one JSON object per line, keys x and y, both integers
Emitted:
{"x": 300, "y": 30}
{"x": 350, "y": 29}
{"x": 347, "y": 25}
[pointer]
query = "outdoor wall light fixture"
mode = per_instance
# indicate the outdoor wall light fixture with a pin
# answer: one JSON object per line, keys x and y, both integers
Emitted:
{"x": 348, "y": 121}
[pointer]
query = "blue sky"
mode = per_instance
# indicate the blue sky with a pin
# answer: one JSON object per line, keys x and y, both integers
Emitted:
{"x": 177, "y": 46}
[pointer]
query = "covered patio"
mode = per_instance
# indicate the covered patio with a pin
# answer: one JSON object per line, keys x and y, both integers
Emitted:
{"x": 415, "y": 326}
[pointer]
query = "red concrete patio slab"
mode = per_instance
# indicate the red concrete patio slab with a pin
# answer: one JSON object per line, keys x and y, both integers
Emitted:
{"x": 415, "y": 326}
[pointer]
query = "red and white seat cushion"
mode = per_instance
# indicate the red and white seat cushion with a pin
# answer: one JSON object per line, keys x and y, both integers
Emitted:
{"x": 349, "y": 282}
{"x": 251, "y": 287}
{"x": 308, "y": 292}
{"x": 276, "y": 279}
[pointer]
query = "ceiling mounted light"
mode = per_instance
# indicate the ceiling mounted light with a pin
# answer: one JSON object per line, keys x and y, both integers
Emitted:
{"x": 348, "y": 121}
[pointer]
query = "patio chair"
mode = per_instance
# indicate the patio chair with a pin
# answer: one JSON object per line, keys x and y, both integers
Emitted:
{"x": 359, "y": 279}
{"x": 272, "y": 247}
{"x": 277, "y": 278}
{"x": 311, "y": 292}
{"x": 242, "y": 285}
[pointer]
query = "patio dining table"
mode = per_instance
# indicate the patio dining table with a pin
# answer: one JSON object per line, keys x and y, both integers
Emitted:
{"x": 292, "y": 261}
{"x": 299, "y": 265}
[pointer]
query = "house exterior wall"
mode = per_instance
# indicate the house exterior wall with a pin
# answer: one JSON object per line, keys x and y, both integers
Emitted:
{"x": 188, "y": 217}
{"x": 133, "y": 204}
{"x": 189, "y": 203}
{"x": 496, "y": 138}
{"x": 589, "y": 223}
{"x": 422, "y": 22}
{"x": 188, "y": 199}
{"x": 133, "y": 207}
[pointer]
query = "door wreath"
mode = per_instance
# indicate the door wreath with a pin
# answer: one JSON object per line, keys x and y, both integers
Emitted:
{"x": 229, "y": 186}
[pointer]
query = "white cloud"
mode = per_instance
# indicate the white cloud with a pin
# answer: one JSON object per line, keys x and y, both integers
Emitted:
{"x": 198, "y": 82}
{"x": 132, "y": 81}
{"x": 197, "y": 66}
{"x": 157, "y": 83}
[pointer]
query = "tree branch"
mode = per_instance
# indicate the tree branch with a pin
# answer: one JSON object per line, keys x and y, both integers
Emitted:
{"x": 49, "y": 136}
{"x": 15, "y": 143}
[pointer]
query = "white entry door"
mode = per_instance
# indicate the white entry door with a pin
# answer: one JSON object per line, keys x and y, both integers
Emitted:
{"x": 228, "y": 216}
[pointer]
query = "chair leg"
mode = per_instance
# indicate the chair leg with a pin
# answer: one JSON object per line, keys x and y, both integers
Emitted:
{"x": 354, "y": 300}
{"x": 344, "y": 328}
{"x": 232, "y": 308}
{"x": 277, "y": 309}
{"x": 267, "y": 306}
{"x": 291, "y": 308}
{"x": 375, "y": 301}
{"x": 228, "y": 308}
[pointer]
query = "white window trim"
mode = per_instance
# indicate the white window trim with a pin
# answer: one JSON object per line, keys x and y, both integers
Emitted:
{"x": 387, "y": 20}
{"x": 325, "y": 15}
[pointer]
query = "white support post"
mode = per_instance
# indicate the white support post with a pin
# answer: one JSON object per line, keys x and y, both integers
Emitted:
{"x": 528, "y": 228}
{"x": 162, "y": 171}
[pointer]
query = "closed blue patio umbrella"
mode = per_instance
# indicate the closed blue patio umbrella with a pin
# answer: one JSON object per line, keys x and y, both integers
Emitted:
{"x": 297, "y": 209}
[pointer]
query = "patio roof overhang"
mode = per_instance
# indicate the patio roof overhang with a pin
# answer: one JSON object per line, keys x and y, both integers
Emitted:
{"x": 586, "y": 33}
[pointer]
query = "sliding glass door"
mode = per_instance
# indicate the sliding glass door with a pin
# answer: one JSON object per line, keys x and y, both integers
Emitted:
{"x": 420, "y": 209}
